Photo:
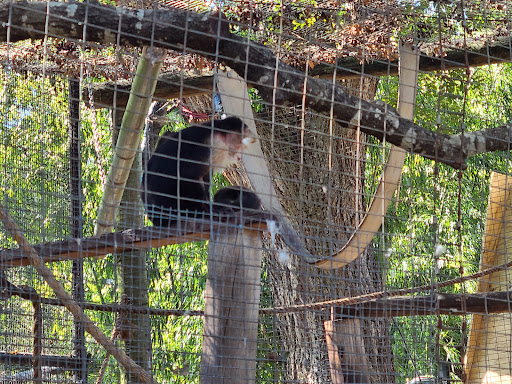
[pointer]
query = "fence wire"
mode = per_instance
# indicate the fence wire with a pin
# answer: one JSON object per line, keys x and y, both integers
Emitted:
{"x": 209, "y": 254}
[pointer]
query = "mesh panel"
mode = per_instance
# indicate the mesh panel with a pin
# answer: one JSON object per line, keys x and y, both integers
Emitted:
{"x": 185, "y": 265}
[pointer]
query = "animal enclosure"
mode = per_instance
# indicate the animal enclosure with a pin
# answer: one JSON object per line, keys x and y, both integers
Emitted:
{"x": 255, "y": 192}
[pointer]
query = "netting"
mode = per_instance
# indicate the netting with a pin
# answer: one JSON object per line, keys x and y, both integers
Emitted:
{"x": 255, "y": 191}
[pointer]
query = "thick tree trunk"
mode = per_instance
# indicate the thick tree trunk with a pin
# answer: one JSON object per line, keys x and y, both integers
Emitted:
{"x": 321, "y": 180}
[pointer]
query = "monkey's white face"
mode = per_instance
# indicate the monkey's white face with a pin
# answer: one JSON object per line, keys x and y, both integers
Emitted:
{"x": 227, "y": 149}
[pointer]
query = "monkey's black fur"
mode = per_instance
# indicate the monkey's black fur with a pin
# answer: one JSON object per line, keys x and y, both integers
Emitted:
{"x": 177, "y": 178}
{"x": 236, "y": 197}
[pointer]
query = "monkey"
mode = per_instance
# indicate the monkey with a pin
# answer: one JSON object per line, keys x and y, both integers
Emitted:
{"x": 235, "y": 197}
{"x": 177, "y": 176}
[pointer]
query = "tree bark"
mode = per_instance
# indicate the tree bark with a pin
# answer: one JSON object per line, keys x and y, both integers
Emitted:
{"x": 325, "y": 203}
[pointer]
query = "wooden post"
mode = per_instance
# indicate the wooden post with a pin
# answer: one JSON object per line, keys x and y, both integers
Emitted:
{"x": 490, "y": 337}
{"x": 334, "y": 354}
{"x": 231, "y": 310}
{"x": 347, "y": 357}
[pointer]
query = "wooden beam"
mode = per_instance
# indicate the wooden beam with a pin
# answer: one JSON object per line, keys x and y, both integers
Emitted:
{"x": 170, "y": 85}
{"x": 18, "y": 358}
{"x": 445, "y": 304}
{"x": 133, "y": 239}
{"x": 334, "y": 354}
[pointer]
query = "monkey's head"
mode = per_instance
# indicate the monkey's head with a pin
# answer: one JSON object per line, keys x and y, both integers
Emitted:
{"x": 230, "y": 138}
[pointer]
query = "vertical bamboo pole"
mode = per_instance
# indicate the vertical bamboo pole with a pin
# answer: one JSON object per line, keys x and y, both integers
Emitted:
{"x": 127, "y": 145}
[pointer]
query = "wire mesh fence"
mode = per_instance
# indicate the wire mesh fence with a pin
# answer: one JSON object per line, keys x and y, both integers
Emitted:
{"x": 255, "y": 191}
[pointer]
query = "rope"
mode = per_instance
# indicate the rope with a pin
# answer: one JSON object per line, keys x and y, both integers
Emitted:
{"x": 294, "y": 308}
{"x": 37, "y": 361}
{"x": 380, "y": 294}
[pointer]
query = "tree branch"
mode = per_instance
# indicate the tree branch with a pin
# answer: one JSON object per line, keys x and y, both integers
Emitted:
{"x": 478, "y": 53}
{"x": 209, "y": 35}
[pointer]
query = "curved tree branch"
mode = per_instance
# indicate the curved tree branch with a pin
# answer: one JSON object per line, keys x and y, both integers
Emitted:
{"x": 209, "y": 35}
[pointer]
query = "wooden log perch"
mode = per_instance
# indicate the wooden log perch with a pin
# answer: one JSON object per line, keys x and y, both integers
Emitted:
{"x": 173, "y": 85}
{"x": 133, "y": 239}
{"x": 232, "y": 300}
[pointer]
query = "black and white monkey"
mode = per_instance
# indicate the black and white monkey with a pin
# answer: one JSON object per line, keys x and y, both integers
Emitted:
{"x": 177, "y": 178}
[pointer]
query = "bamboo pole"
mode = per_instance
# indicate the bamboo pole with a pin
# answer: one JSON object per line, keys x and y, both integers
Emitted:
{"x": 141, "y": 95}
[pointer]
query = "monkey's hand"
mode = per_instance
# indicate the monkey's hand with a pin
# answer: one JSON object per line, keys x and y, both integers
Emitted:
{"x": 224, "y": 210}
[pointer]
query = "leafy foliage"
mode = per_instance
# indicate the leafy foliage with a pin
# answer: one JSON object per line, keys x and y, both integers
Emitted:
{"x": 434, "y": 230}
